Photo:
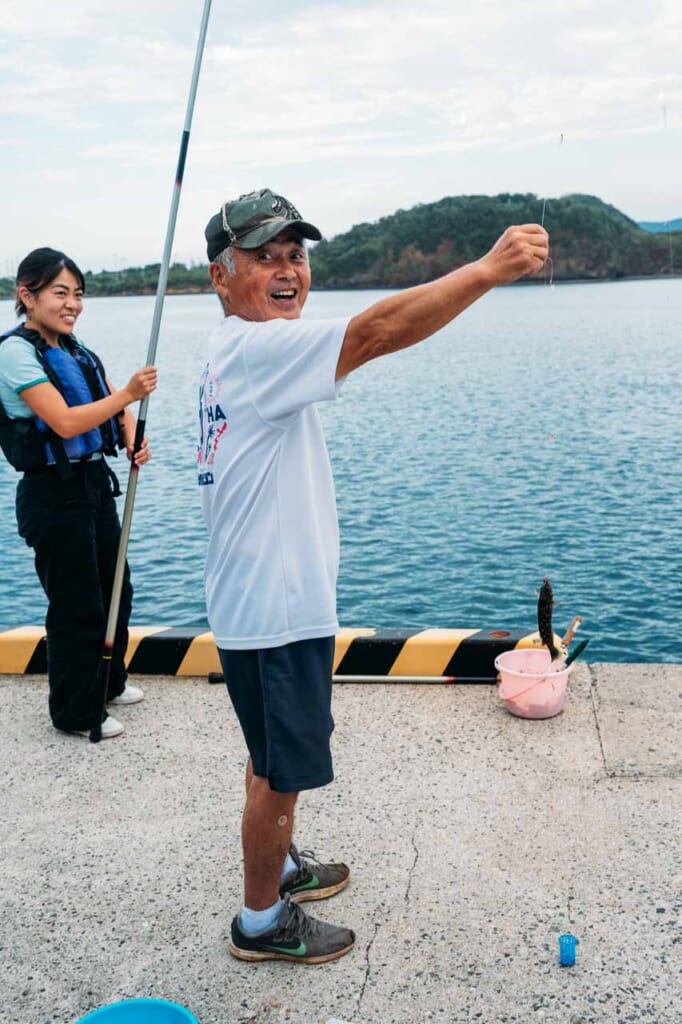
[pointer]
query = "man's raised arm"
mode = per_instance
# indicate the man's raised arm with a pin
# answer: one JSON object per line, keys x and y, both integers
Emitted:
{"x": 416, "y": 313}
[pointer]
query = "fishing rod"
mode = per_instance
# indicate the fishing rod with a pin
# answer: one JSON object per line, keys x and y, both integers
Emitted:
{"x": 104, "y": 668}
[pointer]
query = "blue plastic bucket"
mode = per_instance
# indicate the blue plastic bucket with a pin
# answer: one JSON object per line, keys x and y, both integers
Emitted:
{"x": 140, "y": 1011}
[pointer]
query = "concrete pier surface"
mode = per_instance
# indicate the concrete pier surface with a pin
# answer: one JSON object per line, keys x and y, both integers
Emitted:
{"x": 475, "y": 839}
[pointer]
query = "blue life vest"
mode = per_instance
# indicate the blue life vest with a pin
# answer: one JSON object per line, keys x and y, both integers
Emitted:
{"x": 78, "y": 375}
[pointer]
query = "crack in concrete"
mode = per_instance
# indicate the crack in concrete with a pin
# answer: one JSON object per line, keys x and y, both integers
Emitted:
{"x": 368, "y": 968}
{"x": 593, "y": 691}
{"x": 368, "y": 948}
{"x": 414, "y": 863}
{"x": 632, "y": 774}
{"x": 636, "y": 775}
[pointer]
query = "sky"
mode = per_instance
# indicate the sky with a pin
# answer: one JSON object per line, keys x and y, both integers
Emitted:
{"x": 350, "y": 109}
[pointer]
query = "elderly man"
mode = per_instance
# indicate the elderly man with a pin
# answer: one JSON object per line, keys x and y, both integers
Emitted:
{"x": 268, "y": 502}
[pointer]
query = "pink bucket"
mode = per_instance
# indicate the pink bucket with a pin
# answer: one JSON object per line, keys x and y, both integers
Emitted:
{"x": 530, "y": 685}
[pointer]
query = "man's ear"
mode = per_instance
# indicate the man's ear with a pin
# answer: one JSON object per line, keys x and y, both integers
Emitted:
{"x": 220, "y": 279}
{"x": 216, "y": 271}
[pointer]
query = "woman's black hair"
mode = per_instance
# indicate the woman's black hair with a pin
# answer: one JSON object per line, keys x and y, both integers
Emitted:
{"x": 40, "y": 268}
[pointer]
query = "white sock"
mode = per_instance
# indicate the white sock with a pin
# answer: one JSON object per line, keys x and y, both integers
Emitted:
{"x": 253, "y": 922}
{"x": 289, "y": 866}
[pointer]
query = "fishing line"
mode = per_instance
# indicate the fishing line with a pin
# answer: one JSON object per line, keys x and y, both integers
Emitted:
{"x": 549, "y": 259}
{"x": 667, "y": 222}
{"x": 104, "y": 669}
{"x": 542, "y": 224}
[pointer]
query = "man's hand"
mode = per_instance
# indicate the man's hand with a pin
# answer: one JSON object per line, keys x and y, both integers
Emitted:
{"x": 522, "y": 249}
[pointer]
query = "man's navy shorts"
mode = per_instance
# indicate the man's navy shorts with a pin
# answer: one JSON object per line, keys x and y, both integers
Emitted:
{"x": 282, "y": 696}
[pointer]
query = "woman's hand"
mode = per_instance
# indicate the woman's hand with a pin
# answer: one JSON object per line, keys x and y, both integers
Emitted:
{"x": 142, "y": 383}
{"x": 144, "y": 454}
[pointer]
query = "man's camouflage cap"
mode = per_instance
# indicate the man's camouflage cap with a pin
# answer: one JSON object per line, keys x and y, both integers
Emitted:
{"x": 253, "y": 220}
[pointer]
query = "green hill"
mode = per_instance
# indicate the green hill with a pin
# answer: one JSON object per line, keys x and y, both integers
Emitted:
{"x": 589, "y": 240}
{"x": 143, "y": 280}
{"x": 135, "y": 281}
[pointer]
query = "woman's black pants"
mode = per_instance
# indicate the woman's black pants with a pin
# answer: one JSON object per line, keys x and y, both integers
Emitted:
{"x": 73, "y": 527}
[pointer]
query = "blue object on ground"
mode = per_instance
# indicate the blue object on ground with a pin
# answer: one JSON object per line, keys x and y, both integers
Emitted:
{"x": 567, "y": 944}
{"x": 140, "y": 1011}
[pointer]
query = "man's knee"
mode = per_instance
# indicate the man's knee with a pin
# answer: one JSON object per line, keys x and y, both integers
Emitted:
{"x": 281, "y": 803}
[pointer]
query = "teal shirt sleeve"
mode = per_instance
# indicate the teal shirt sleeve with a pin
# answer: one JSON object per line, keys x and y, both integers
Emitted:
{"x": 19, "y": 369}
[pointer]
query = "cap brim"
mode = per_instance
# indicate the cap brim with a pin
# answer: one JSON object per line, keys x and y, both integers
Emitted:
{"x": 266, "y": 232}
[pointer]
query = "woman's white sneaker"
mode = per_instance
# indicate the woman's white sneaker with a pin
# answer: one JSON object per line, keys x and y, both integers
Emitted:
{"x": 131, "y": 695}
{"x": 110, "y": 727}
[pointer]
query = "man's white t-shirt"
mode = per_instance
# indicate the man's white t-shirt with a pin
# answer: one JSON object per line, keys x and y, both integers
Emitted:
{"x": 266, "y": 484}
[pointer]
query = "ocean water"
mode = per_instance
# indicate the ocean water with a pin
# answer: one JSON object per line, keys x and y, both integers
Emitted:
{"x": 539, "y": 434}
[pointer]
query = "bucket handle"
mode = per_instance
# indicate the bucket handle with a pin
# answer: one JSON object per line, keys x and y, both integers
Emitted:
{"x": 532, "y": 686}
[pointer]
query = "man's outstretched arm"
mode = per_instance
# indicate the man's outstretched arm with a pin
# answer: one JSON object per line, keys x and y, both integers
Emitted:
{"x": 414, "y": 314}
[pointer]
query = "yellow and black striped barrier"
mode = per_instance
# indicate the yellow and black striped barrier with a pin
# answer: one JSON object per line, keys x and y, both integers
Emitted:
{"x": 393, "y": 655}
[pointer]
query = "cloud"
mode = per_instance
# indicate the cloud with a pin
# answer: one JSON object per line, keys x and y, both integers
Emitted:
{"x": 373, "y": 102}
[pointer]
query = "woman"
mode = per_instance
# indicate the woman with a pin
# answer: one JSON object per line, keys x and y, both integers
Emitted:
{"x": 60, "y": 416}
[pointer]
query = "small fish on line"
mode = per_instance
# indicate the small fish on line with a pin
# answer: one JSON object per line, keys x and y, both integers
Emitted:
{"x": 545, "y": 605}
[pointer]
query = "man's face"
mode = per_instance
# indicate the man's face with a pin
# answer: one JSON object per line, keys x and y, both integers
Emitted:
{"x": 269, "y": 282}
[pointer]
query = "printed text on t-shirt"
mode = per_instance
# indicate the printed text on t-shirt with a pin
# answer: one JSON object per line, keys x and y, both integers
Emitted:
{"x": 212, "y": 424}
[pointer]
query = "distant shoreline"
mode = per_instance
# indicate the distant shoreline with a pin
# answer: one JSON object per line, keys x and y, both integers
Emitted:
{"x": 148, "y": 292}
{"x": 531, "y": 282}
{"x": 591, "y": 241}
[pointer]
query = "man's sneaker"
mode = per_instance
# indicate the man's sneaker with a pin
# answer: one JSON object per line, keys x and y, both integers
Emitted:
{"x": 131, "y": 695}
{"x": 312, "y": 880}
{"x": 295, "y": 937}
{"x": 110, "y": 728}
